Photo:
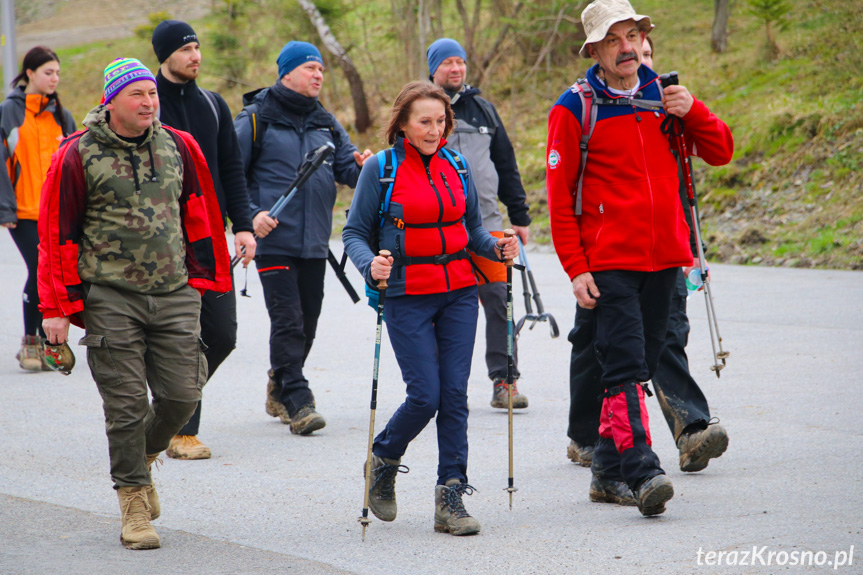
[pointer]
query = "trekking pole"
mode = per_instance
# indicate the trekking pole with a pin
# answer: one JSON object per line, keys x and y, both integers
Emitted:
{"x": 673, "y": 126}
{"x": 382, "y": 287}
{"x": 508, "y": 233}
{"x": 540, "y": 315}
{"x": 303, "y": 174}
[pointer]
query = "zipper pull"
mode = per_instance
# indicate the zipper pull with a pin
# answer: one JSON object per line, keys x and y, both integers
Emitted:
{"x": 601, "y": 209}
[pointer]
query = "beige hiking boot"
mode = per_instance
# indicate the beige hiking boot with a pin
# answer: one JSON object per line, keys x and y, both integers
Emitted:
{"x": 698, "y": 448}
{"x": 307, "y": 420}
{"x": 273, "y": 406}
{"x": 382, "y": 493}
{"x": 30, "y": 355}
{"x": 581, "y": 454}
{"x": 152, "y": 496}
{"x": 450, "y": 515}
{"x": 187, "y": 447}
{"x": 137, "y": 532}
{"x": 499, "y": 397}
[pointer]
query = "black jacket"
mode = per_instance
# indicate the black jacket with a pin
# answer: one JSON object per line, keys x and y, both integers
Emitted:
{"x": 186, "y": 107}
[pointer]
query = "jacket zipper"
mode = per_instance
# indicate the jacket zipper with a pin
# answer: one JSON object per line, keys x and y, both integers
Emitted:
{"x": 440, "y": 219}
{"x": 650, "y": 193}
{"x": 446, "y": 184}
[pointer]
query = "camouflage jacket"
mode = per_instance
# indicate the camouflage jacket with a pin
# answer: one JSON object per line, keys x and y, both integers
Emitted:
{"x": 138, "y": 219}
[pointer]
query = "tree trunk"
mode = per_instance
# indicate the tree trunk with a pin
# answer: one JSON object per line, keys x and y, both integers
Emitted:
{"x": 480, "y": 69}
{"x": 361, "y": 108}
{"x": 719, "y": 38}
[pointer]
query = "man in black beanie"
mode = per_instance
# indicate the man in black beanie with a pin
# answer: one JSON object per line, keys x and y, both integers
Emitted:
{"x": 204, "y": 114}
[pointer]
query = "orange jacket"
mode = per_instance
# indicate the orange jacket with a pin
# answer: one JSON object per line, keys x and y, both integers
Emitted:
{"x": 30, "y": 134}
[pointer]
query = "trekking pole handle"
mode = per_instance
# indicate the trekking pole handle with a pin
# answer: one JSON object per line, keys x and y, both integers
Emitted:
{"x": 508, "y": 233}
{"x": 669, "y": 79}
{"x": 382, "y": 284}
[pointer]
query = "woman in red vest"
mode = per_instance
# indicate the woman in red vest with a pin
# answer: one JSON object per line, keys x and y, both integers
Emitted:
{"x": 426, "y": 220}
{"x": 32, "y": 125}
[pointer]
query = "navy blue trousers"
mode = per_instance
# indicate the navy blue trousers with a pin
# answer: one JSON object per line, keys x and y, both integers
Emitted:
{"x": 26, "y": 237}
{"x": 433, "y": 338}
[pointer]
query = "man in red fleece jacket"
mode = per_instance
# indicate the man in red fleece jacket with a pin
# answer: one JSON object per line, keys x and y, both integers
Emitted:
{"x": 620, "y": 232}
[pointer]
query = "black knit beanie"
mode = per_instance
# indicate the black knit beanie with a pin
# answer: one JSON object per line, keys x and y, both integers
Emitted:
{"x": 169, "y": 36}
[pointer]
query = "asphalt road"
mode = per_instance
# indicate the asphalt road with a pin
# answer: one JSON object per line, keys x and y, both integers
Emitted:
{"x": 790, "y": 484}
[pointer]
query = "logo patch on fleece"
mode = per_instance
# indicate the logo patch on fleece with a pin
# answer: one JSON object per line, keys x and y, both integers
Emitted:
{"x": 553, "y": 159}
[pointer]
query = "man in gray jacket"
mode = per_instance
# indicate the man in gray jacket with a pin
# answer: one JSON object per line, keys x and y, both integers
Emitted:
{"x": 479, "y": 134}
{"x": 278, "y": 127}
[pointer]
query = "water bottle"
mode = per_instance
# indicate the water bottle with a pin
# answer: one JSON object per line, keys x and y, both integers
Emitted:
{"x": 693, "y": 280}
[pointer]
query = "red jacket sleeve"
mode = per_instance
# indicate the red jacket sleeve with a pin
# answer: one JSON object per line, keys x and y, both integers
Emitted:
{"x": 707, "y": 136}
{"x": 207, "y": 257}
{"x": 562, "y": 160}
{"x": 60, "y": 213}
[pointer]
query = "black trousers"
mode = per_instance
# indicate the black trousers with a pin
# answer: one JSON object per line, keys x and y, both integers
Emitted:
{"x": 219, "y": 333}
{"x": 26, "y": 237}
{"x": 682, "y": 401}
{"x": 294, "y": 293}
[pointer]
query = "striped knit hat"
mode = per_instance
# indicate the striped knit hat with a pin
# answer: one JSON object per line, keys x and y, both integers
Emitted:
{"x": 122, "y": 72}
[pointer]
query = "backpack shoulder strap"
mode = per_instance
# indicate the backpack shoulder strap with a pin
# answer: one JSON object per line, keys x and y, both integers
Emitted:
{"x": 388, "y": 164}
{"x": 457, "y": 162}
{"x": 589, "y": 108}
{"x": 211, "y": 100}
{"x": 259, "y": 128}
{"x": 490, "y": 115}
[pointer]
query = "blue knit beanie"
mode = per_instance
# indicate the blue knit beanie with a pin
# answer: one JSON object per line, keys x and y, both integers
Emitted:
{"x": 296, "y": 54}
{"x": 442, "y": 49}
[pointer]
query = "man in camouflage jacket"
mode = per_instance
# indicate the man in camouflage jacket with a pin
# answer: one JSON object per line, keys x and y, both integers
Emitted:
{"x": 130, "y": 236}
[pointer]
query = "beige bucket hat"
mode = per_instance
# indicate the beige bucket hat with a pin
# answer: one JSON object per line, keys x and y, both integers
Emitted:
{"x": 600, "y": 15}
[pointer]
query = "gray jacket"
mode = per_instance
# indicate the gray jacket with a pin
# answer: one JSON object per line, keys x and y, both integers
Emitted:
{"x": 306, "y": 222}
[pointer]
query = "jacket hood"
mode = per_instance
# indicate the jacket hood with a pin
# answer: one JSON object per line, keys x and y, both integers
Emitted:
{"x": 255, "y": 96}
{"x": 97, "y": 122}
{"x": 20, "y": 97}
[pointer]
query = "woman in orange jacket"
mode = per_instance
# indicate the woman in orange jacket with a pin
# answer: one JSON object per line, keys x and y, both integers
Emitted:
{"x": 32, "y": 125}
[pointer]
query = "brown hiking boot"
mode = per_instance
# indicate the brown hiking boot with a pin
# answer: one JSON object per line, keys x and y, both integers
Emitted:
{"x": 610, "y": 491}
{"x": 581, "y": 454}
{"x": 450, "y": 516}
{"x": 273, "y": 406}
{"x": 382, "y": 493}
{"x": 187, "y": 447}
{"x": 652, "y": 495}
{"x": 137, "y": 532}
{"x": 307, "y": 420}
{"x": 699, "y": 447}
{"x": 499, "y": 397}
{"x": 152, "y": 496}
{"x": 30, "y": 355}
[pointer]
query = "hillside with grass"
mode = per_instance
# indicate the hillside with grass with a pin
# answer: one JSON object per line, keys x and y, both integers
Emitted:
{"x": 792, "y": 196}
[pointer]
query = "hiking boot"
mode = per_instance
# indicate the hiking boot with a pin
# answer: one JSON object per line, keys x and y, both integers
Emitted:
{"x": 30, "y": 355}
{"x": 450, "y": 515}
{"x": 499, "y": 397}
{"x": 307, "y": 420}
{"x": 581, "y": 454}
{"x": 136, "y": 532}
{"x": 652, "y": 495}
{"x": 187, "y": 447}
{"x": 610, "y": 491}
{"x": 152, "y": 496}
{"x": 382, "y": 493}
{"x": 273, "y": 406}
{"x": 699, "y": 447}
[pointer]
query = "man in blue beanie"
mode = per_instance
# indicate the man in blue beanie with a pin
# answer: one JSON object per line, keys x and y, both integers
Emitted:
{"x": 481, "y": 137}
{"x": 278, "y": 127}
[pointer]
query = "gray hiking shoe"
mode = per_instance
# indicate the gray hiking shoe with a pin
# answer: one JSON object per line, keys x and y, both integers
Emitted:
{"x": 610, "y": 491}
{"x": 307, "y": 420}
{"x": 273, "y": 406}
{"x": 382, "y": 493}
{"x": 581, "y": 454}
{"x": 500, "y": 399}
{"x": 450, "y": 515}
{"x": 699, "y": 447}
{"x": 652, "y": 495}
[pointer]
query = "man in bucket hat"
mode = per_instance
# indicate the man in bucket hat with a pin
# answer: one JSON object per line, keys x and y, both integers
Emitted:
{"x": 620, "y": 233}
